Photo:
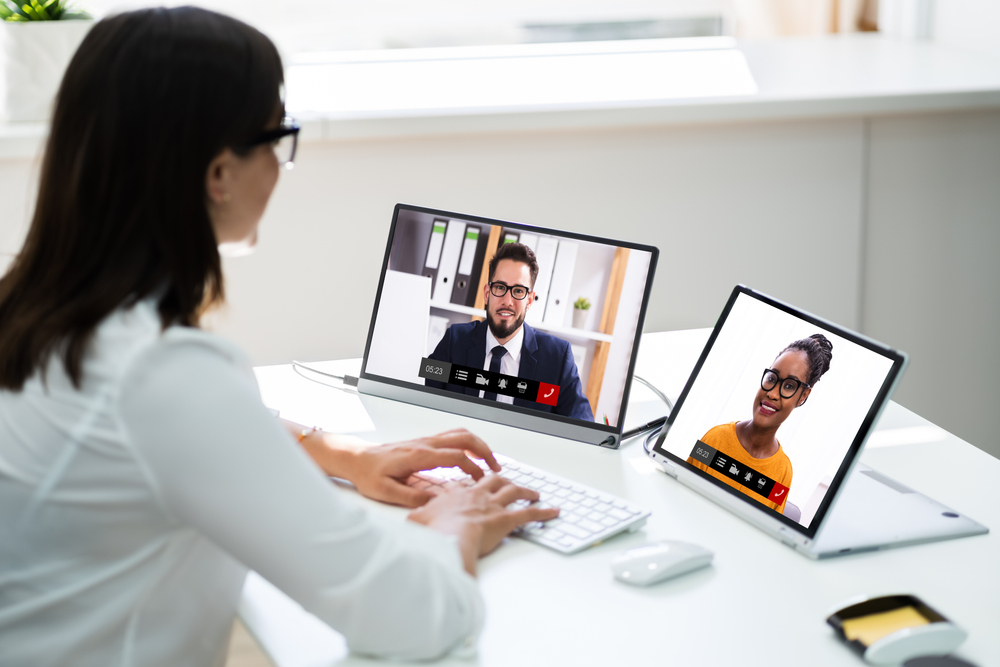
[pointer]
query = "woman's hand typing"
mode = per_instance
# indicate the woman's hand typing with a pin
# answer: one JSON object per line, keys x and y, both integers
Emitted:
{"x": 478, "y": 515}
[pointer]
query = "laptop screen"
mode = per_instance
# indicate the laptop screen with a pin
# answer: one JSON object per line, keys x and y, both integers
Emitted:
{"x": 778, "y": 407}
{"x": 520, "y": 319}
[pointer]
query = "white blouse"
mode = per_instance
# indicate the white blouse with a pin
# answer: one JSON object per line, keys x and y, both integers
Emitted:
{"x": 131, "y": 509}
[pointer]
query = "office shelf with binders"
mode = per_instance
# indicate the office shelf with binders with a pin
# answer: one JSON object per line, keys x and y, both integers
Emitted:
{"x": 562, "y": 332}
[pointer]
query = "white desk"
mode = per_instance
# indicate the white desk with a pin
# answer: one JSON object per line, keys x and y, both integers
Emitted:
{"x": 759, "y": 603}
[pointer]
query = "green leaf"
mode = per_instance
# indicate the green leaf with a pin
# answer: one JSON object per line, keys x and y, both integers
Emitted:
{"x": 42, "y": 14}
{"x": 54, "y": 8}
{"x": 29, "y": 12}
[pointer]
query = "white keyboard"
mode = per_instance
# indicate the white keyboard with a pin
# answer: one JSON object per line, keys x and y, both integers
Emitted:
{"x": 587, "y": 516}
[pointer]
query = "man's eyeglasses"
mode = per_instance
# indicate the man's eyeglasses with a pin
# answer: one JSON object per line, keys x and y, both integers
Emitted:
{"x": 788, "y": 385}
{"x": 498, "y": 289}
{"x": 284, "y": 140}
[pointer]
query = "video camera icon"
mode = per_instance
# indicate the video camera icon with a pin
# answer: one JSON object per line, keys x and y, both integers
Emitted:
{"x": 481, "y": 380}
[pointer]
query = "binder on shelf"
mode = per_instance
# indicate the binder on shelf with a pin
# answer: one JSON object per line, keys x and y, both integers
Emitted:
{"x": 545, "y": 254}
{"x": 530, "y": 240}
{"x": 509, "y": 236}
{"x": 448, "y": 267}
{"x": 562, "y": 278}
{"x": 470, "y": 266}
{"x": 434, "y": 246}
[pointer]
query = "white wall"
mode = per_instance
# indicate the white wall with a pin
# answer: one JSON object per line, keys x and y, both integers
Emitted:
{"x": 932, "y": 277}
{"x": 969, "y": 25}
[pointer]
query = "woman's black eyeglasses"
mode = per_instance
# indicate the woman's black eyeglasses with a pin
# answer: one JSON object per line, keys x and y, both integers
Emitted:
{"x": 498, "y": 289}
{"x": 284, "y": 139}
{"x": 788, "y": 385}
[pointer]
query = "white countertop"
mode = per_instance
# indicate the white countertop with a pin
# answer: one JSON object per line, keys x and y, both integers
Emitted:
{"x": 530, "y": 87}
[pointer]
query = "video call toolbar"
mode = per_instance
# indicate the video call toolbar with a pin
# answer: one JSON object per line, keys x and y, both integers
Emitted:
{"x": 497, "y": 383}
{"x": 739, "y": 472}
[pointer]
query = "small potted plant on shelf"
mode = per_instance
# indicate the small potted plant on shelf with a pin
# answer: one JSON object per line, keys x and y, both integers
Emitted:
{"x": 38, "y": 39}
{"x": 581, "y": 308}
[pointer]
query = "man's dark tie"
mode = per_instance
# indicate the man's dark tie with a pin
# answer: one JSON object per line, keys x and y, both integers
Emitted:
{"x": 498, "y": 353}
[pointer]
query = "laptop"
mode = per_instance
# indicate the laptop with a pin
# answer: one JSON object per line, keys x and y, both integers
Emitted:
{"x": 772, "y": 422}
{"x": 564, "y": 310}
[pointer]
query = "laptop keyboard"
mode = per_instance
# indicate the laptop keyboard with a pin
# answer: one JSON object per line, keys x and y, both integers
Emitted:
{"x": 587, "y": 516}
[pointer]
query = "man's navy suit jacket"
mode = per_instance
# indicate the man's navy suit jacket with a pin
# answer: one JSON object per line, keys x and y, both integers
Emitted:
{"x": 544, "y": 358}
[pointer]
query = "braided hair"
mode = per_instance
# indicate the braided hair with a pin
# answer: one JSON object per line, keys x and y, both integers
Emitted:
{"x": 819, "y": 352}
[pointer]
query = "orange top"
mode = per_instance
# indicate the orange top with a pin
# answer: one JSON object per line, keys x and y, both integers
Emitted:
{"x": 777, "y": 467}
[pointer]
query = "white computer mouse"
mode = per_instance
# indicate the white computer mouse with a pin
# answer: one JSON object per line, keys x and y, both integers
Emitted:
{"x": 652, "y": 563}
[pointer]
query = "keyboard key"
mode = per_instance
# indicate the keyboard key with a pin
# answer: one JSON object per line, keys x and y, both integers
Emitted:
{"x": 576, "y": 531}
{"x": 608, "y": 521}
{"x": 589, "y": 502}
{"x": 576, "y": 496}
{"x": 618, "y": 513}
{"x": 592, "y": 526}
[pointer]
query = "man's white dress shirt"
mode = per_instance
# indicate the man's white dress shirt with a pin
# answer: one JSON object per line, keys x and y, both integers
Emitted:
{"x": 131, "y": 509}
{"x": 511, "y": 361}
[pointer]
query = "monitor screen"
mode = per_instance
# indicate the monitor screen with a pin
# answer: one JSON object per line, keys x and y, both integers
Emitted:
{"x": 778, "y": 407}
{"x": 520, "y": 319}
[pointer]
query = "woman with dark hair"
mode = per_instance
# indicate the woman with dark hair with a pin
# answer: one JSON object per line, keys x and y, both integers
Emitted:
{"x": 751, "y": 447}
{"x": 140, "y": 475}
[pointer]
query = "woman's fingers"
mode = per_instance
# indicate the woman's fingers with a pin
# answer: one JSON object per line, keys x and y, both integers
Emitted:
{"x": 428, "y": 459}
{"x": 512, "y": 492}
{"x": 493, "y": 483}
{"x": 532, "y": 513}
{"x": 461, "y": 439}
{"x": 397, "y": 493}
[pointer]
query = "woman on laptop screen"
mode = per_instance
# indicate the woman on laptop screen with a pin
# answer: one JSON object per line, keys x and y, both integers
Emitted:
{"x": 746, "y": 454}
{"x": 140, "y": 474}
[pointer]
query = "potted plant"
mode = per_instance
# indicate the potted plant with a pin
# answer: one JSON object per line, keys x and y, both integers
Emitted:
{"x": 38, "y": 39}
{"x": 581, "y": 308}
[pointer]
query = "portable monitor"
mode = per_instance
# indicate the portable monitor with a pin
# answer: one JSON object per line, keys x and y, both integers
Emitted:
{"x": 525, "y": 326}
{"x": 772, "y": 422}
